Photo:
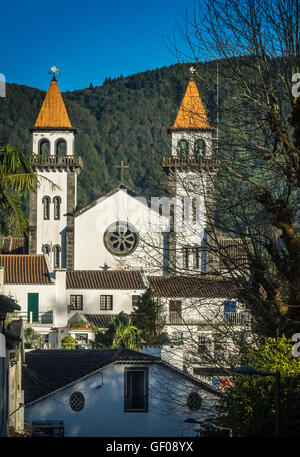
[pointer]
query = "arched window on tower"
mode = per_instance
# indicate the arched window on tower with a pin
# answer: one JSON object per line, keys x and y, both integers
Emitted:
{"x": 44, "y": 147}
{"x": 56, "y": 256}
{"x": 46, "y": 249}
{"x": 60, "y": 147}
{"x": 46, "y": 208}
{"x": 57, "y": 202}
{"x": 183, "y": 147}
{"x": 199, "y": 147}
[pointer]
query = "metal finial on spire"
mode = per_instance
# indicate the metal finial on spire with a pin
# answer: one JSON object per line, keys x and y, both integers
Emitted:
{"x": 193, "y": 71}
{"x": 53, "y": 71}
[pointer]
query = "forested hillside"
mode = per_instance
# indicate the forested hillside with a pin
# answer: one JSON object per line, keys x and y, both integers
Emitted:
{"x": 124, "y": 119}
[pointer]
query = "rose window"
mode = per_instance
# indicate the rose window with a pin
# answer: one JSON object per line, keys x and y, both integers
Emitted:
{"x": 120, "y": 238}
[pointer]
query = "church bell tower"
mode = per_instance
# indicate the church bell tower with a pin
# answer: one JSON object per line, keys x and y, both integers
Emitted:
{"x": 51, "y": 205}
{"x": 190, "y": 169}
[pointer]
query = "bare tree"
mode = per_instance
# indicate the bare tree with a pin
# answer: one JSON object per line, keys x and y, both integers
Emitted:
{"x": 256, "y": 47}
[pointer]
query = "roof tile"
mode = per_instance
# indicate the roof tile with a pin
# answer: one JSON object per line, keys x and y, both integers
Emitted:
{"x": 96, "y": 279}
{"x": 25, "y": 269}
{"x": 193, "y": 286}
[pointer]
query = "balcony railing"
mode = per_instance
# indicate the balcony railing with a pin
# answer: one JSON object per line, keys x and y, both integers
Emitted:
{"x": 60, "y": 161}
{"x": 187, "y": 160}
{"x": 45, "y": 317}
{"x": 225, "y": 318}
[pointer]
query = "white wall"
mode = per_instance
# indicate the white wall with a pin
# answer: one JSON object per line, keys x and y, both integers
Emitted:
{"x": 90, "y": 226}
{"x": 104, "y": 416}
{"x": 122, "y": 300}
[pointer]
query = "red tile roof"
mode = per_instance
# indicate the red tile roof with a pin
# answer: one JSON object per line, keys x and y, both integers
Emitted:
{"x": 188, "y": 287}
{"x": 100, "y": 320}
{"x": 96, "y": 279}
{"x": 25, "y": 269}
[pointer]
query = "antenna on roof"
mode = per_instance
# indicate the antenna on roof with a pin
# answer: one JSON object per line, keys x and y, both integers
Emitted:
{"x": 54, "y": 71}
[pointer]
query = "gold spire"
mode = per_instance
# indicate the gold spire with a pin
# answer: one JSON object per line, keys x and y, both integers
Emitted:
{"x": 53, "y": 113}
{"x": 191, "y": 114}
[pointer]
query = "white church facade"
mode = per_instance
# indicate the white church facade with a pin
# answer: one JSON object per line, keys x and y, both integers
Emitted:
{"x": 96, "y": 261}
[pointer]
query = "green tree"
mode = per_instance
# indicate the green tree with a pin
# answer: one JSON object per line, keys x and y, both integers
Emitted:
{"x": 17, "y": 178}
{"x": 148, "y": 317}
{"x": 121, "y": 333}
{"x": 249, "y": 405}
{"x": 68, "y": 342}
{"x": 32, "y": 339}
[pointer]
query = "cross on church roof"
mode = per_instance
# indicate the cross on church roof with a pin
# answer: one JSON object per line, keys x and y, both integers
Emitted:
{"x": 122, "y": 167}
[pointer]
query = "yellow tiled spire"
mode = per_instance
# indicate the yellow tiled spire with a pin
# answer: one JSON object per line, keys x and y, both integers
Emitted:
{"x": 53, "y": 112}
{"x": 191, "y": 114}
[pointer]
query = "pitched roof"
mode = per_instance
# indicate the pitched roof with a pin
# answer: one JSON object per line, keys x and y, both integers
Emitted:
{"x": 25, "y": 269}
{"x": 191, "y": 114}
{"x": 192, "y": 287}
{"x": 100, "y": 320}
{"x": 104, "y": 196}
{"x": 53, "y": 113}
{"x": 96, "y": 279}
{"x": 49, "y": 370}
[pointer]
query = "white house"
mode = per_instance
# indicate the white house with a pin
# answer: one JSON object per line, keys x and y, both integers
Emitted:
{"x": 111, "y": 393}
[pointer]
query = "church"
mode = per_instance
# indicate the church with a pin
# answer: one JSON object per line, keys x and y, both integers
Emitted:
{"x": 90, "y": 263}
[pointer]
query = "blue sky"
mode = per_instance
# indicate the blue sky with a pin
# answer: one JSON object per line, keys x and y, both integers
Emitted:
{"x": 88, "y": 40}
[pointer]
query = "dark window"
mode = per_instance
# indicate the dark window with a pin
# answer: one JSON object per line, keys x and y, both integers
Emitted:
{"x": 56, "y": 256}
{"x": 60, "y": 147}
{"x": 197, "y": 252}
{"x": 136, "y": 390}
{"x": 106, "y": 302}
{"x": 186, "y": 254}
{"x": 203, "y": 344}
{"x": 44, "y": 147}
{"x": 135, "y": 300}
{"x": 195, "y": 210}
{"x": 177, "y": 337}
{"x": 183, "y": 147}
{"x": 175, "y": 309}
{"x": 46, "y": 249}
{"x": 81, "y": 337}
{"x": 199, "y": 147}
{"x": 46, "y": 209}
{"x": 76, "y": 302}
{"x": 57, "y": 202}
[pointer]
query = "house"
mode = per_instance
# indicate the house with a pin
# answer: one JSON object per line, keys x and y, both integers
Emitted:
{"x": 113, "y": 392}
{"x": 11, "y": 359}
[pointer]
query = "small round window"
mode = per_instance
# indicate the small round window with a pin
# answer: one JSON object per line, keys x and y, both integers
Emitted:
{"x": 77, "y": 401}
{"x": 194, "y": 401}
{"x": 120, "y": 238}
